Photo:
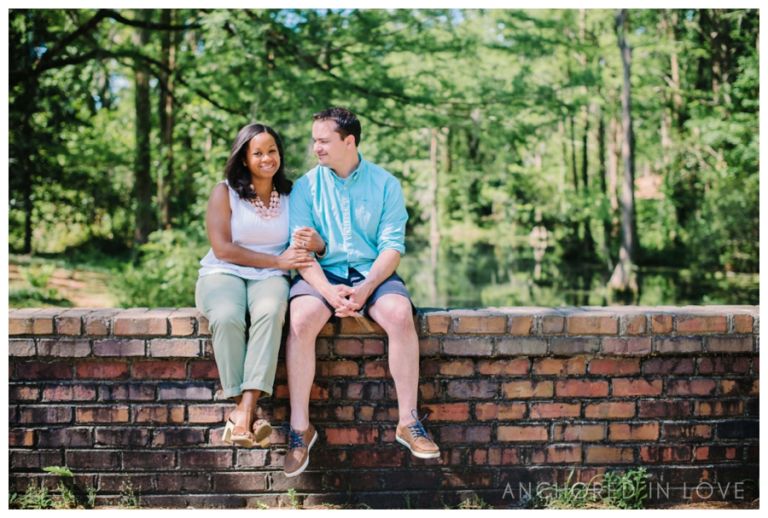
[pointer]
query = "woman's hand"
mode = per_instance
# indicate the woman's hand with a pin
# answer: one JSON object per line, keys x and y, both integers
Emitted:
{"x": 294, "y": 258}
{"x": 307, "y": 238}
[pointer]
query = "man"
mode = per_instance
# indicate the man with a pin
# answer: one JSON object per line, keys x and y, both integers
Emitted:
{"x": 358, "y": 209}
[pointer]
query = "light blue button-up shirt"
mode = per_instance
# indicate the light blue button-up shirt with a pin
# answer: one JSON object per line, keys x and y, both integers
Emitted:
{"x": 358, "y": 217}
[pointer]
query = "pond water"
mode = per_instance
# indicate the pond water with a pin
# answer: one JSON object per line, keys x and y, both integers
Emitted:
{"x": 485, "y": 274}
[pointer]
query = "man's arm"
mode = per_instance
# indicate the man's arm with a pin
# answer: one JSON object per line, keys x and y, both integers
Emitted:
{"x": 335, "y": 294}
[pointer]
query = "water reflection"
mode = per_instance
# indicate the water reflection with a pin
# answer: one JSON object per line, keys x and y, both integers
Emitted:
{"x": 487, "y": 274}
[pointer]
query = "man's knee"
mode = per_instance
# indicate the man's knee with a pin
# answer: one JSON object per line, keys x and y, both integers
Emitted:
{"x": 393, "y": 312}
{"x": 308, "y": 315}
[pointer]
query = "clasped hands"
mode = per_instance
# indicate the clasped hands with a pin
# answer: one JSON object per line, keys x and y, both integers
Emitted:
{"x": 347, "y": 300}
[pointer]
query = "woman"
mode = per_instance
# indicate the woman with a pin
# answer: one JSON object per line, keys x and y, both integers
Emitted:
{"x": 246, "y": 271}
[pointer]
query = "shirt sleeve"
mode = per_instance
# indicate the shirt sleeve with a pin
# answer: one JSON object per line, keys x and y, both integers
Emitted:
{"x": 300, "y": 214}
{"x": 391, "y": 232}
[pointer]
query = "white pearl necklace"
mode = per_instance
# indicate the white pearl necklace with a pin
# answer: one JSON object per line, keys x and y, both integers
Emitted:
{"x": 267, "y": 212}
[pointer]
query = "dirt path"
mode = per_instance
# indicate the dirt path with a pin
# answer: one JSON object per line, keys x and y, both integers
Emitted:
{"x": 83, "y": 288}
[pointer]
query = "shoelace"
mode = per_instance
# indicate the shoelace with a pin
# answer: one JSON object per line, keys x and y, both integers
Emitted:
{"x": 295, "y": 440}
{"x": 416, "y": 428}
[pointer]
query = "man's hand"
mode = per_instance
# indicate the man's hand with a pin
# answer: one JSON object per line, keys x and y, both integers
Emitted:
{"x": 337, "y": 296}
{"x": 307, "y": 238}
{"x": 359, "y": 295}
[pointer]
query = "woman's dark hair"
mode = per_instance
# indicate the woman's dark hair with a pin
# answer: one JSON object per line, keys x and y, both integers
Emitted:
{"x": 347, "y": 122}
{"x": 238, "y": 175}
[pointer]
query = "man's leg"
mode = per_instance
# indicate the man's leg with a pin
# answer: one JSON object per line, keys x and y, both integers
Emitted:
{"x": 393, "y": 313}
{"x": 308, "y": 315}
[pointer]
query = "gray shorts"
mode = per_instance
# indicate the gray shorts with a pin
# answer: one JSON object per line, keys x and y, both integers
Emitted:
{"x": 392, "y": 284}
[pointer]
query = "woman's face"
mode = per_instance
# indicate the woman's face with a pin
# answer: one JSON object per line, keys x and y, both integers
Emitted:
{"x": 262, "y": 157}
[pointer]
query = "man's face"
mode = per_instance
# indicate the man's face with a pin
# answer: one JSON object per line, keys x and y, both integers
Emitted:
{"x": 330, "y": 148}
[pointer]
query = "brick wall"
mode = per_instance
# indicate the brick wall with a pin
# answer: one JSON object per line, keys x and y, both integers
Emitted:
{"x": 518, "y": 396}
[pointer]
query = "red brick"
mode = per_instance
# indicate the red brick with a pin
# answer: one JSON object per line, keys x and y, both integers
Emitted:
{"x": 668, "y": 366}
{"x": 618, "y": 432}
{"x": 429, "y": 346}
{"x": 159, "y": 369}
{"x": 203, "y": 326}
{"x": 552, "y": 324}
{"x": 480, "y": 388}
{"x": 514, "y": 367}
{"x": 477, "y": 323}
{"x": 93, "y": 460}
{"x": 663, "y": 408}
{"x": 338, "y": 368}
{"x": 465, "y": 367}
{"x": 581, "y": 388}
{"x": 159, "y": 414}
{"x": 45, "y": 414}
{"x": 661, "y": 324}
{"x": 563, "y": 453}
{"x": 729, "y": 407}
{"x": 521, "y": 346}
{"x": 351, "y": 436}
{"x": 729, "y": 344}
{"x": 527, "y": 389}
{"x": 636, "y": 346}
{"x": 205, "y": 370}
{"x": 202, "y": 459}
{"x": 373, "y": 369}
{"x": 693, "y": 387}
{"x": 520, "y": 326}
{"x": 20, "y": 321}
{"x": 184, "y": 393}
{"x": 360, "y": 326}
{"x": 448, "y": 411}
{"x": 614, "y": 366}
{"x": 239, "y": 482}
{"x": 742, "y": 324}
{"x": 205, "y": 413}
{"x": 736, "y": 387}
{"x": 554, "y": 410}
{"x": 678, "y": 344}
{"x": 578, "y": 432}
{"x": 499, "y": 411}
{"x": 686, "y": 431}
{"x": 174, "y": 348}
{"x": 109, "y": 414}
{"x": 451, "y": 434}
{"x": 636, "y": 387}
{"x": 118, "y": 347}
{"x": 23, "y": 393}
{"x": 24, "y": 347}
{"x": 609, "y": 455}
{"x": 560, "y": 366}
{"x": 438, "y": 323}
{"x": 318, "y": 392}
{"x": 42, "y": 321}
{"x": 140, "y": 322}
{"x": 183, "y": 321}
{"x": 171, "y": 437}
{"x": 634, "y": 324}
{"x": 69, "y": 393}
{"x": 697, "y": 324}
{"x": 69, "y": 437}
{"x": 369, "y": 458}
{"x": 522, "y": 433}
{"x": 592, "y": 325}
{"x": 99, "y": 323}
{"x": 20, "y": 437}
{"x": 42, "y": 370}
{"x": 251, "y": 458}
{"x": 468, "y": 346}
{"x": 665, "y": 454}
{"x": 724, "y": 365}
{"x": 101, "y": 369}
{"x": 65, "y": 347}
{"x": 715, "y": 453}
{"x": 122, "y": 437}
{"x": 70, "y": 322}
{"x": 610, "y": 410}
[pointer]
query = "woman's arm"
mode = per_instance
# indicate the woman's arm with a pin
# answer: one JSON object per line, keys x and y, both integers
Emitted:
{"x": 217, "y": 222}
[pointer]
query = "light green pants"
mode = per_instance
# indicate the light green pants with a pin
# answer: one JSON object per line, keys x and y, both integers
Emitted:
{"x": 244, "y": 364}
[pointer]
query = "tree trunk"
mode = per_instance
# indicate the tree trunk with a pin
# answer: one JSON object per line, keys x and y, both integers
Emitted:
{"x": 167, "y": 120}
{"x": 142, "y": 163}
{"x": 623, "y": 278}
{"x": 589, "y": 242}
{"x": 434, "y": 224}
{"x": 603, "y": 175}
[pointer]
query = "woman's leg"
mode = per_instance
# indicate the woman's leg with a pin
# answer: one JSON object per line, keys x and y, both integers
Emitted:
{"x": 222, "y": 299}
{"x": 267, "y": 302}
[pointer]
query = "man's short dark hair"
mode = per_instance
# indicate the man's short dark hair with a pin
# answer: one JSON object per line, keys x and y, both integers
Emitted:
{"x": 346, "y": 121}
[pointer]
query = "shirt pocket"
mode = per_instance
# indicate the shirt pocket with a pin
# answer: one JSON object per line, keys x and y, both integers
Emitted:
{"x": 367, "y": 214}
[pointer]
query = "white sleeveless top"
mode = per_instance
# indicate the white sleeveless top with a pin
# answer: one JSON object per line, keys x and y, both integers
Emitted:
{"x": 251, "y": 231}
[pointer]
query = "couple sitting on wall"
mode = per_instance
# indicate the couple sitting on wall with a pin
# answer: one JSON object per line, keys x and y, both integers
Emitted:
{"x": 342, "y": 228}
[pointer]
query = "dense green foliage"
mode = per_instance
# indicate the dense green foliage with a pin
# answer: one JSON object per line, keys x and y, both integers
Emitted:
{"x": 488, "y": 115}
